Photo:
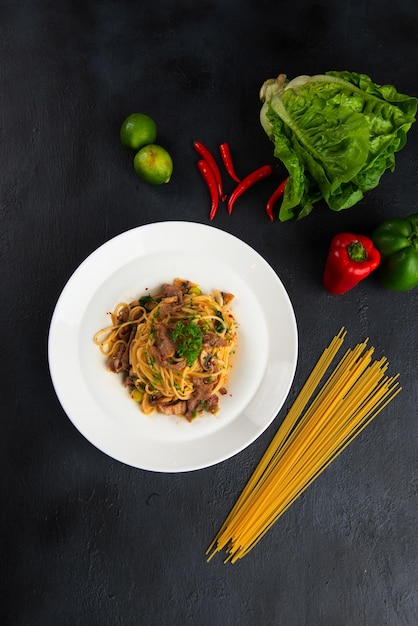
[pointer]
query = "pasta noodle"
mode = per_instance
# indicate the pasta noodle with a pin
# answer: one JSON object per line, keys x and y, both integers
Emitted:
{"x": 314, "y": 432}
{"x": 174, "y": 348}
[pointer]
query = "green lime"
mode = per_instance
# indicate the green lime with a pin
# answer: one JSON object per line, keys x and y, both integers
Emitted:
{"x": 138, "y": 130}
{"x": 153, "y": 164}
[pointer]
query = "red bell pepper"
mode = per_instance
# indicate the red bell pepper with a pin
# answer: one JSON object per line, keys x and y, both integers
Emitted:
{"x": 351, "y": 258}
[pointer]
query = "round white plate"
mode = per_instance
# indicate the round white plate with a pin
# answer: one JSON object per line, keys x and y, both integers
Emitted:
{"x": 143, "y": 259}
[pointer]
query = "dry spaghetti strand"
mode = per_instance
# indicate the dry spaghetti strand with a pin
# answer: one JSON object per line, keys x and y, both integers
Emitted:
{"x": 321, "y": 423}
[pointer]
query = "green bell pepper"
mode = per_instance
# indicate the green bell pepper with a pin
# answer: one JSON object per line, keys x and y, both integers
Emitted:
{"x": 397, "y": 241}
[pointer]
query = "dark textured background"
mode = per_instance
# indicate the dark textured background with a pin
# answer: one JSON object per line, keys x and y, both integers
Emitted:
{"x": 86, "y": 540}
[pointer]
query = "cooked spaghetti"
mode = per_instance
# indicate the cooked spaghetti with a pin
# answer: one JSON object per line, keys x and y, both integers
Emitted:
{"x": 174, "y": 348}
{"x": 313, "y": 433}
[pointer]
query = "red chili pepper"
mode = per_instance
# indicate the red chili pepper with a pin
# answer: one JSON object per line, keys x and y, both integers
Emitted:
{"x": 206, "y": 154}
{"x": 248, "y": 181}
{"x": 210, "y": 180}
{"x": 351, "y": 258}
{"x": 277, "y": 193}
{"x": 227, "y": 161}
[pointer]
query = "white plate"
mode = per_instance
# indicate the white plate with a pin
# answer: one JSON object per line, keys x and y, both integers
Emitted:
{"x": 123, "y": 268}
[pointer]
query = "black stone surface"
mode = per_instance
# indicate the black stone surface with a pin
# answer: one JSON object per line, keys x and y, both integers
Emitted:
{"x": 86, "y": 540}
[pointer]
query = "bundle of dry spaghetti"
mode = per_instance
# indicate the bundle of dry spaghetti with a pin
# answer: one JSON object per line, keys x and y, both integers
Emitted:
{"x": 323, "y": 420}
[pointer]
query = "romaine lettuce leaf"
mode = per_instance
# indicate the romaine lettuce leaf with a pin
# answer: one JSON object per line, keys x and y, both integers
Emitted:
{"x": 336, "y": 134}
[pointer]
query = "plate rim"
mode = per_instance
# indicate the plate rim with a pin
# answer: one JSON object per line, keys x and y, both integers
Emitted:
{"x": 106, "y": 248}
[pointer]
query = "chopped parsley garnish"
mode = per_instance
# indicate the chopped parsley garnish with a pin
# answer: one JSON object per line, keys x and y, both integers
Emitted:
{"x": 219, "y": 326}
{"x": 149, "y": 359}
{"x": 189, "y": 341}
{"x": 145, "y": 299}
{"x": 199, "y": 409}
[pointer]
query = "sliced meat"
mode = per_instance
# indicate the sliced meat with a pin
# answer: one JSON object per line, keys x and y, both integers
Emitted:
{"x": 164, "y": 342}
{"x": 119, "y": 362}
{"x": 213, "y": 340}
{"x": 114, "y": 362}
{"x": 175, "y": 365}
{"x": 166, "y": 362}
{"x": 174, "y": 290}
{"x": 194, "y": 407}
{"x": 202, "y": 388}
{"x": 173, "y": 408}
{"x": 183, "y": 284}
{"x": 197, "y": 402}
{"x": 172, "y": 299}
{"x": 212, "y": 404}
{"x": 129, "y": 381}
{"x": 168, "y": 306}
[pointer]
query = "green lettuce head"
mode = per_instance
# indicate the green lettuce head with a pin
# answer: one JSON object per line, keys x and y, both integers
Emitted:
{"x": 336, "y": 134}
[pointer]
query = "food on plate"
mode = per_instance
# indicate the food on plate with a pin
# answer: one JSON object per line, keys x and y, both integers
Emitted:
{"x": 324, "y": 419}
{"x": 138, "y": 130}
{"x": 173, "y": 348}
{"x": 153, "y": 164}
{"x": 397, "y": 241}
{"x": 351, "y": 258}
{"x": 335, "y": 133}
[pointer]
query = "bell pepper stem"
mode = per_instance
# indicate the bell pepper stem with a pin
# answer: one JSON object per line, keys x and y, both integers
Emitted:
{"x": 356, "y": 251}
